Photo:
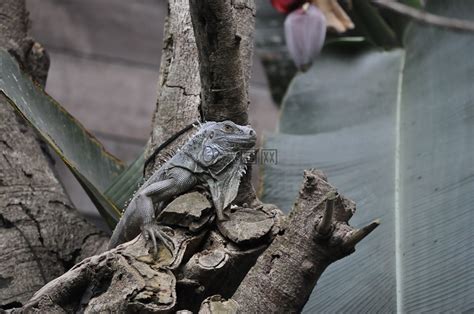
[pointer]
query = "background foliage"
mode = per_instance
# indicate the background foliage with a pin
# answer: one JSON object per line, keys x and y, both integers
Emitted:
{"x": 393, "y": 130}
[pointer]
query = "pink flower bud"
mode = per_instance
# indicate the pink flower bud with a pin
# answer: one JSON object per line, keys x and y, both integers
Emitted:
{"x": 305, "y": 31}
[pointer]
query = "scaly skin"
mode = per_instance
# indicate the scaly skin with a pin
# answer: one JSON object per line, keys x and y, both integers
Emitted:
{"x": 213, "y": 157}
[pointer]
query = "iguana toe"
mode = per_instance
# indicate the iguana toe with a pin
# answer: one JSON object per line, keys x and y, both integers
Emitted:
{"x": 152, "y": 231}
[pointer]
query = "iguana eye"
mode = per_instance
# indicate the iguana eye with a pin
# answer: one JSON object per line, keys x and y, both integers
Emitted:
{"x": 228, "y": 128}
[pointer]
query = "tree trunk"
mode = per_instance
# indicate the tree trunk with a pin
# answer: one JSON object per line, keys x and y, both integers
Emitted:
{"x": 41, "y": 234}
{"x": 224, "y": 36}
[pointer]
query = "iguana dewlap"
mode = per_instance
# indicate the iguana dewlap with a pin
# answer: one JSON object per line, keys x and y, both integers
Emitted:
{"x": 214, "y": 157}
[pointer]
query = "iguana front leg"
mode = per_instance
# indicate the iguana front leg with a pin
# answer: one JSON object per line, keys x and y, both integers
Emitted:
{"x": 140, "y": 214}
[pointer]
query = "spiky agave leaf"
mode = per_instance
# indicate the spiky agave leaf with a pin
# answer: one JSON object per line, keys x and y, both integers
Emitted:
{"x": 90, "y": 163}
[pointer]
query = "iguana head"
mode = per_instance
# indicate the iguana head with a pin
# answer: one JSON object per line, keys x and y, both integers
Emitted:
{"x": 227, "y": 137}
{"x": 222, "y": 143}
{"x": 216, "y": 144}
{"x": 221, "y": 150}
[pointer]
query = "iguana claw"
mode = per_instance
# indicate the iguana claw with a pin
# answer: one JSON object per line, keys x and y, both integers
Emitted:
{"x": 152, "y": 231}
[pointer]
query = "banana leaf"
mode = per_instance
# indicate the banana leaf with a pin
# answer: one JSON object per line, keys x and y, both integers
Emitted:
{"x": 85, "y": 156}
{"x": 394, "y": 131}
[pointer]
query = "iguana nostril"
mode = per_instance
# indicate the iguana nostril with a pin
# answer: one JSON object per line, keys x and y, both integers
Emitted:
{"x": 251, "y": 132}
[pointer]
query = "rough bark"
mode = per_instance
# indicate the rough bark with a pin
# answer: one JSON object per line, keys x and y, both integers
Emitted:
{"x": 230, "y": 250}
{"x": 41, "y": 234}
{"x": 179, "y": 83}
{"x": 224, "y": 36}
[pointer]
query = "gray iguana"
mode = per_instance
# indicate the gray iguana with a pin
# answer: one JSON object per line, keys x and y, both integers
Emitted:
{"x": 214, "y": 157}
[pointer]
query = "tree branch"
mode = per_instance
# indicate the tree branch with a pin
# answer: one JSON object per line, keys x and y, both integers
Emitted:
{"x": 285, "y": 274}
{"x": 425, "y": 17}
{"x": 130, "y": 279}
{"x": 224, "y": 36}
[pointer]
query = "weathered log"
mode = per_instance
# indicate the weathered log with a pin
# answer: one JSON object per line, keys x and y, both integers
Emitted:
{"x": 120, "y": 280}
{"x": 223, "y": 261}
{"x": 258, "y": 279}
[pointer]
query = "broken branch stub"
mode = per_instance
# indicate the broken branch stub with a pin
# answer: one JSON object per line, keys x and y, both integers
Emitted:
{"x": 286, "y": 273}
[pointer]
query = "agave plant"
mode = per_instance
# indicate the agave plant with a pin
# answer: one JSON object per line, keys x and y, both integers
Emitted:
{"x": 108, "y": 182}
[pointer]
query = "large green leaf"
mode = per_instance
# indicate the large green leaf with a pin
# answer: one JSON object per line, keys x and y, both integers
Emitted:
{"x": 94, "y": 168}
{"x": 395, "y": 132}
{"x": 344, "y": 106}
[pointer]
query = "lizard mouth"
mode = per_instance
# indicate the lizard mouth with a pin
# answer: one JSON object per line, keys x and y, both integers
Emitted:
{"x": 246, "y": 142}
{"x": 239, "y": 142}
